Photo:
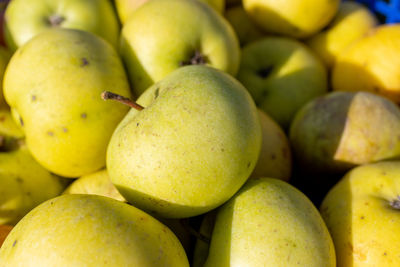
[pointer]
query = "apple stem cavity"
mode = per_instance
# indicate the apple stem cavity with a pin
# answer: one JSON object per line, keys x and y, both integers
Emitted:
{"x": 197, "y": 59}
{"x": 56, "y": 20}
{"x": 395, "y": 203}
{"x": 106, "y": 95}
{"x": 263, "y": 73}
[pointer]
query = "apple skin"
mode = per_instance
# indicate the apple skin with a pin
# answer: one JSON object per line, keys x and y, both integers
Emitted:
{"x": 351, "y": 23}
{"x": 126, "y": 7}
{"x": 269, "y": 223}
{"x": 335, "y": 132}
{"x": 154, "y": 43}
{"x": 90, "y": 230}
{"x": 26, "y": 18}
{"x": 294, "y": 18}
{"x": 362, "y": 215}
{"x": 246, "y": 30}
{"x": 374, "y": 61}
{"x": 281, "y": 74}
{"x": 275, "y": 158}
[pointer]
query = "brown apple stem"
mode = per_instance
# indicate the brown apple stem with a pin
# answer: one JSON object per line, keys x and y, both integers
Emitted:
{"x": 124, "y": 100}
{"x": 197, "y": 234}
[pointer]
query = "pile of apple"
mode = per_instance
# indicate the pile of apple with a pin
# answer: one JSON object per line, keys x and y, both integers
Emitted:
{"x": 198, "y": 133}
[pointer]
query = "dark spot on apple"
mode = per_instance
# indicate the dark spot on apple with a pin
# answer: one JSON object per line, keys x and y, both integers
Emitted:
{"x": 50, "y": 133}
{"x": 196, "y": 59}
{"x": 52, "y": 202}
{"x": 65, "y": 130}
{"x": 248, "y": 164}
{"x": 156, "y": 93}
{"x": 14, "y": 243}
{"x": 376, "y": 88}
{"x": 33, "y": 98}
{"x": 2, "y": 118}
{"x": 222, "y": 150}
{"x": 385, "y": 253}
{"x": 362, "y": 217}
{"x": 84, "y": 115}
{"x": 273, "y": 156}
{"x": 19, "y": 180}
{"x": 28, "y": 194}
{"x": 21, "y": 121}
{"x": 264, "y": 72}
{"x": 84, "y": 62}
{"x": 137, "y": 124}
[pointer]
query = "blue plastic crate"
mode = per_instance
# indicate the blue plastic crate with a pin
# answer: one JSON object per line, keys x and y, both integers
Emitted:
{"x": 388, "y": 11}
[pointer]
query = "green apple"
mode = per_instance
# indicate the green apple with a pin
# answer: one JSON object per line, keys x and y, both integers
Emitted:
{"x": 126, "y": 7}
{"x": 275, "y": 158}
{"x": 295, "y": 18}
{"x": 154, "y": 42}
{"x": 270, "y": 223}
{"x": 24, "y": 184}
{"x": 26, "y": 18}
{"x": 362, "y": 215}
{"x": 191, "y": 148}
{"x": 352, "y": 21}
{"x": 90, "y": 230}
{"x": 53, "y": 84}
{"x": 340, "y": 130}
{"x": 97, "y": 183}
{"x": 246, "y": 30}
{"x": 374, "y": 61}
{"x": 281, "y": 74}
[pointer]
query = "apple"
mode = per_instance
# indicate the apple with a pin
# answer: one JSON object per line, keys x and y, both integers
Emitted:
{"x": 281, "y": 74}
{"x": 335, "y": 132}
{"x": 295, "y": 18}
{"x": 362, "y": 214}
{"x": 352, "y": 21}
{"x": 246, "y": 30}
{"x": 371, "y": 64}
{"x": 154, "y": 43}
{"x": 26, "y": 18}
{"x": 126, "y": 7}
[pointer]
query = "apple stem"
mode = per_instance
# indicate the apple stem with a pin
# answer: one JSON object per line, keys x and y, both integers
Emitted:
{"x": 124, "y": 100}
{"x": 197, "y": 234}
{"x": 395, "y": 203}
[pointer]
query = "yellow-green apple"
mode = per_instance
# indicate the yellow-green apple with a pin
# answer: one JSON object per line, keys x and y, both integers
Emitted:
{"x": 269, "y": 223}
{"x": 90, "y": 230}
{"x": 281, "y": 74}
{"x": 275, "y": 158}
{"x": 24, "y": 184}
{"x": 191, "y": 148}
{"x": 163, "y": 35}
{"x": 295, "y": 18}
{"x": 352, "y": 21}
{"x": 97, "y": 183}
{"x": 26, "y": 18}
{"x": 371, "y": 64}
{"x": 66, "y": 123}
{"x": 340, "y": 130}
{"x": 126, "y": 7}
{"x": 362, "y": 215}
{"x": 246, "y": 30}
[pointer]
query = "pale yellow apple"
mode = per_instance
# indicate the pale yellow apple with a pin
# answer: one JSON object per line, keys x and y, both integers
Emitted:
{"x": 275, "y": 158}
{"x": 126, "y": 7}
{"x": 246, "y": 30}
{"x": 362, "y": 215}
{"x": 371, "y": 64}
{"x": 351, "y": 23}
{"x": 295, "y": 18}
